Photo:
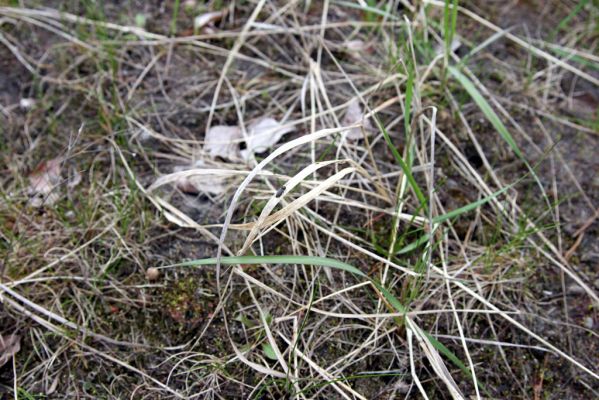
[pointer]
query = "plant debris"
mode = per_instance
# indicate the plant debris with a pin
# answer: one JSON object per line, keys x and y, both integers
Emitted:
{"x": 9, "y": 346}
{"x": 43, "y": 183}
{"x": 207, "y": 19}
{"x": 212, "y": 183}
{"x": 353, "y": 115}
{"x": 262, "y": 134}
{"x": 223, "y": 141}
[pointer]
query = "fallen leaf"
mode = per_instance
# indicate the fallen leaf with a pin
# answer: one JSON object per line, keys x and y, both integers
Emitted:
{"x": 223, "y": 141}
{"x": 262, "y": 134}
{"x": 353, "y": 115}
{"x": 9, "y": 346}
{"x": 194, "y": 185}
{"x": 43, "y": 182}
{"x": 208, "y": 18}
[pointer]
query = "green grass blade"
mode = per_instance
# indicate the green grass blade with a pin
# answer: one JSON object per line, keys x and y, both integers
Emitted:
{"x": 453, "y": 358}
{"x": 448, "y": 353}
{"x": 408, "y": 102}
{"x": 393, "y": 301}
{"x": 404, "y": 166}
{"x": 304, "y": 260}
{"x": 173, "y": 29}
{"x": 469, "y": 207}
{"x": 564, "y": 22}
{"x": 450, "y": 15}
{"x": 454, "y": 19}
{"x": 396, "y": 304}
{"x": 496, "y": 122}
{"x": 414, "y": 245}
{"x": 575, "y": 58}
{"x": 325, "y": 262}
{"x": 485, "y": 107}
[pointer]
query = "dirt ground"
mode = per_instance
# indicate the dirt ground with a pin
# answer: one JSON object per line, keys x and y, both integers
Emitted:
{"x": 117, "y": 109}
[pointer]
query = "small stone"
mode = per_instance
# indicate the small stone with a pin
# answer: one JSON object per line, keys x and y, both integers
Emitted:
{"x": 588, "y": 322}
{"x": 26, "y": 104}
{"x": 152, "y": 274}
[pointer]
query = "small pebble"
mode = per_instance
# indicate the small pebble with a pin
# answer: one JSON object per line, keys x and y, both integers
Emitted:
{"x": 152, "y": 274}
{"x": 26, "y": 104}
{"x": 589, "y": 323}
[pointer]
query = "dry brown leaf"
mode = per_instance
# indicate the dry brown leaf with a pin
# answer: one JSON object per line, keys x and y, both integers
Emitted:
{"x": 263, "y": 133}
{"x": 223, "y": 141}
{"x": 43, "y": 182}
{"x": 9, "y": 346}
{"x": 352, "y": 115}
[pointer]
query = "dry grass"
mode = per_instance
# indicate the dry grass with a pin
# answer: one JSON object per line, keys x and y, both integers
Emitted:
{"x": 468, "y": 206}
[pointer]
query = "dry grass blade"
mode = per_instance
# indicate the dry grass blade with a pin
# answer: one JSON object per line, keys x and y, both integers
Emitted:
{"x": 436, "y": 361}
{"x": 274, "y": 200}
{"x": 299, "y": 199}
